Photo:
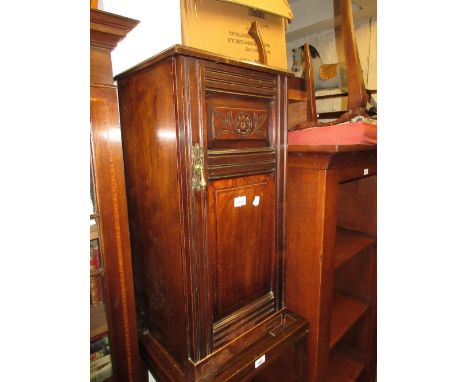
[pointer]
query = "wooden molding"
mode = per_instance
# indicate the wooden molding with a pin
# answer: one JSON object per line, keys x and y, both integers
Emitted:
{"x": 107, "y": 29}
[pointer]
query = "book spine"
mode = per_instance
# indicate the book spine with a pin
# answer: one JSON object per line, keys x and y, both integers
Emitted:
{"x": 101, "y": 374}
{"x": 101, "y": 369}
{"x": 99, "y": 344}
{"x": 95, "y": 255}
{"x": 99, "y": 336}
{"x": 100, "y": 353}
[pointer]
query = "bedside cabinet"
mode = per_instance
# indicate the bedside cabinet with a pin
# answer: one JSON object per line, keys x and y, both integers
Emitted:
{"x": 204, "y": 153}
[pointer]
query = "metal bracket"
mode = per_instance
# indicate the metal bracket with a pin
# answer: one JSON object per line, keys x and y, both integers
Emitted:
{"x": 198, "y": 167}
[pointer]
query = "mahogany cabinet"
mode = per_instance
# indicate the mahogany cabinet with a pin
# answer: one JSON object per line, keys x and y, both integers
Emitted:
{"x": 116, "y": 315}
{"x": 331, "y": 257}
{"x": 204, "y": 153}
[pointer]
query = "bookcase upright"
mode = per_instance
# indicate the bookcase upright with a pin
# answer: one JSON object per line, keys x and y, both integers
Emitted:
{"x": 114, "y": 315}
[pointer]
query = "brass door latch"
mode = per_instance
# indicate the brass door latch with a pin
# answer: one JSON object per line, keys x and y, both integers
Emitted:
{"x": 198, "y": 167}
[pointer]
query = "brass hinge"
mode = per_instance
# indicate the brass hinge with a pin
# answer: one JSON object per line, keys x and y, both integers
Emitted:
{"x": 198, "y": 167}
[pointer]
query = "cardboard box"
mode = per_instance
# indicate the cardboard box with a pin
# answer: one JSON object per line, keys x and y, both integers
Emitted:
{"x": 218, "y": 26}
{"x": 222, "y": 26}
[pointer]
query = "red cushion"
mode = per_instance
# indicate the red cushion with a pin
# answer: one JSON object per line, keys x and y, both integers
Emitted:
{"x": 354, "y": 133}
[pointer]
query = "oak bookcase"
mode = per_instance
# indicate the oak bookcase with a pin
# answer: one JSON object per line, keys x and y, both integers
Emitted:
{"x": 331, "y": 257}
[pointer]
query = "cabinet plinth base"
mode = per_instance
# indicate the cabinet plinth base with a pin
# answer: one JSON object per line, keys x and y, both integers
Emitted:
{"x": 260, "y": 354}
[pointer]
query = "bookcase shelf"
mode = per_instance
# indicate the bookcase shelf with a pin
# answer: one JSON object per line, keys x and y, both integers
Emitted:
{"x": 349, "y": 243}
{"x": 345, "y": 367}
{"x": 345, "y": 312}
{"x": 98, "y": 320}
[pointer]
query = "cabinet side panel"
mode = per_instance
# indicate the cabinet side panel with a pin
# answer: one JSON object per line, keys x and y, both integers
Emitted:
{"x": 149, "y": 134}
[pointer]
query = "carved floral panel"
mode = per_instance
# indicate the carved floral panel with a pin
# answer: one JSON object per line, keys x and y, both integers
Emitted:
{"x": 231, "y": 123}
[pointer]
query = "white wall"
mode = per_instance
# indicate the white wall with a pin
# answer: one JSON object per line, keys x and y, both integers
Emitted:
{"x": 324, "y": 42}
{"x": 366, "y": 39}
{"x": 315, "y": 16}
{"x": 307, "y": 13}
{"x": 159, "y": 29}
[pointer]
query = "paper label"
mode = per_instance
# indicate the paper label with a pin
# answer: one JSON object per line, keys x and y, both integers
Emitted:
{"x": 366, "y": 171}
{"x": 240, "y": 201}
{"x": 260, "y": 361}
{"x": 256, "y": 201}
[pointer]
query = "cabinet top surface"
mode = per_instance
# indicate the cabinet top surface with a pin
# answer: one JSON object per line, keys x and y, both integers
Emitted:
{"x": 330, "y": 149}
{"x": 329, "y": 157}
{"x": 183, "y": 50}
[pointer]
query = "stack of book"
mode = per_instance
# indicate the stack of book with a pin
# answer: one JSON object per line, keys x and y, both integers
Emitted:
{"x": 101, "y": 365}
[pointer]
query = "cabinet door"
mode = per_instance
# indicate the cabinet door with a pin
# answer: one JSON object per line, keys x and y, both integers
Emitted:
{"x": 237, "y": 221}
{"x": 242, "y": 252}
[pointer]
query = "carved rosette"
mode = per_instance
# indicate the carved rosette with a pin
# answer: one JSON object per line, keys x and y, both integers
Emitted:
{"x": 241, "y": 124}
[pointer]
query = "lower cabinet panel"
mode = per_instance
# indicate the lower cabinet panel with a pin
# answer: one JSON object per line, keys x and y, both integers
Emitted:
{"x": 241, "y": 241}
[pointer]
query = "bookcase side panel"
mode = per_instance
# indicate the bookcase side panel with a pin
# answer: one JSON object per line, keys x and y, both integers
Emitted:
{"x": 114, "y": 240}
{"x": 113, "y": 317}
{"x": 310, "y": 236}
